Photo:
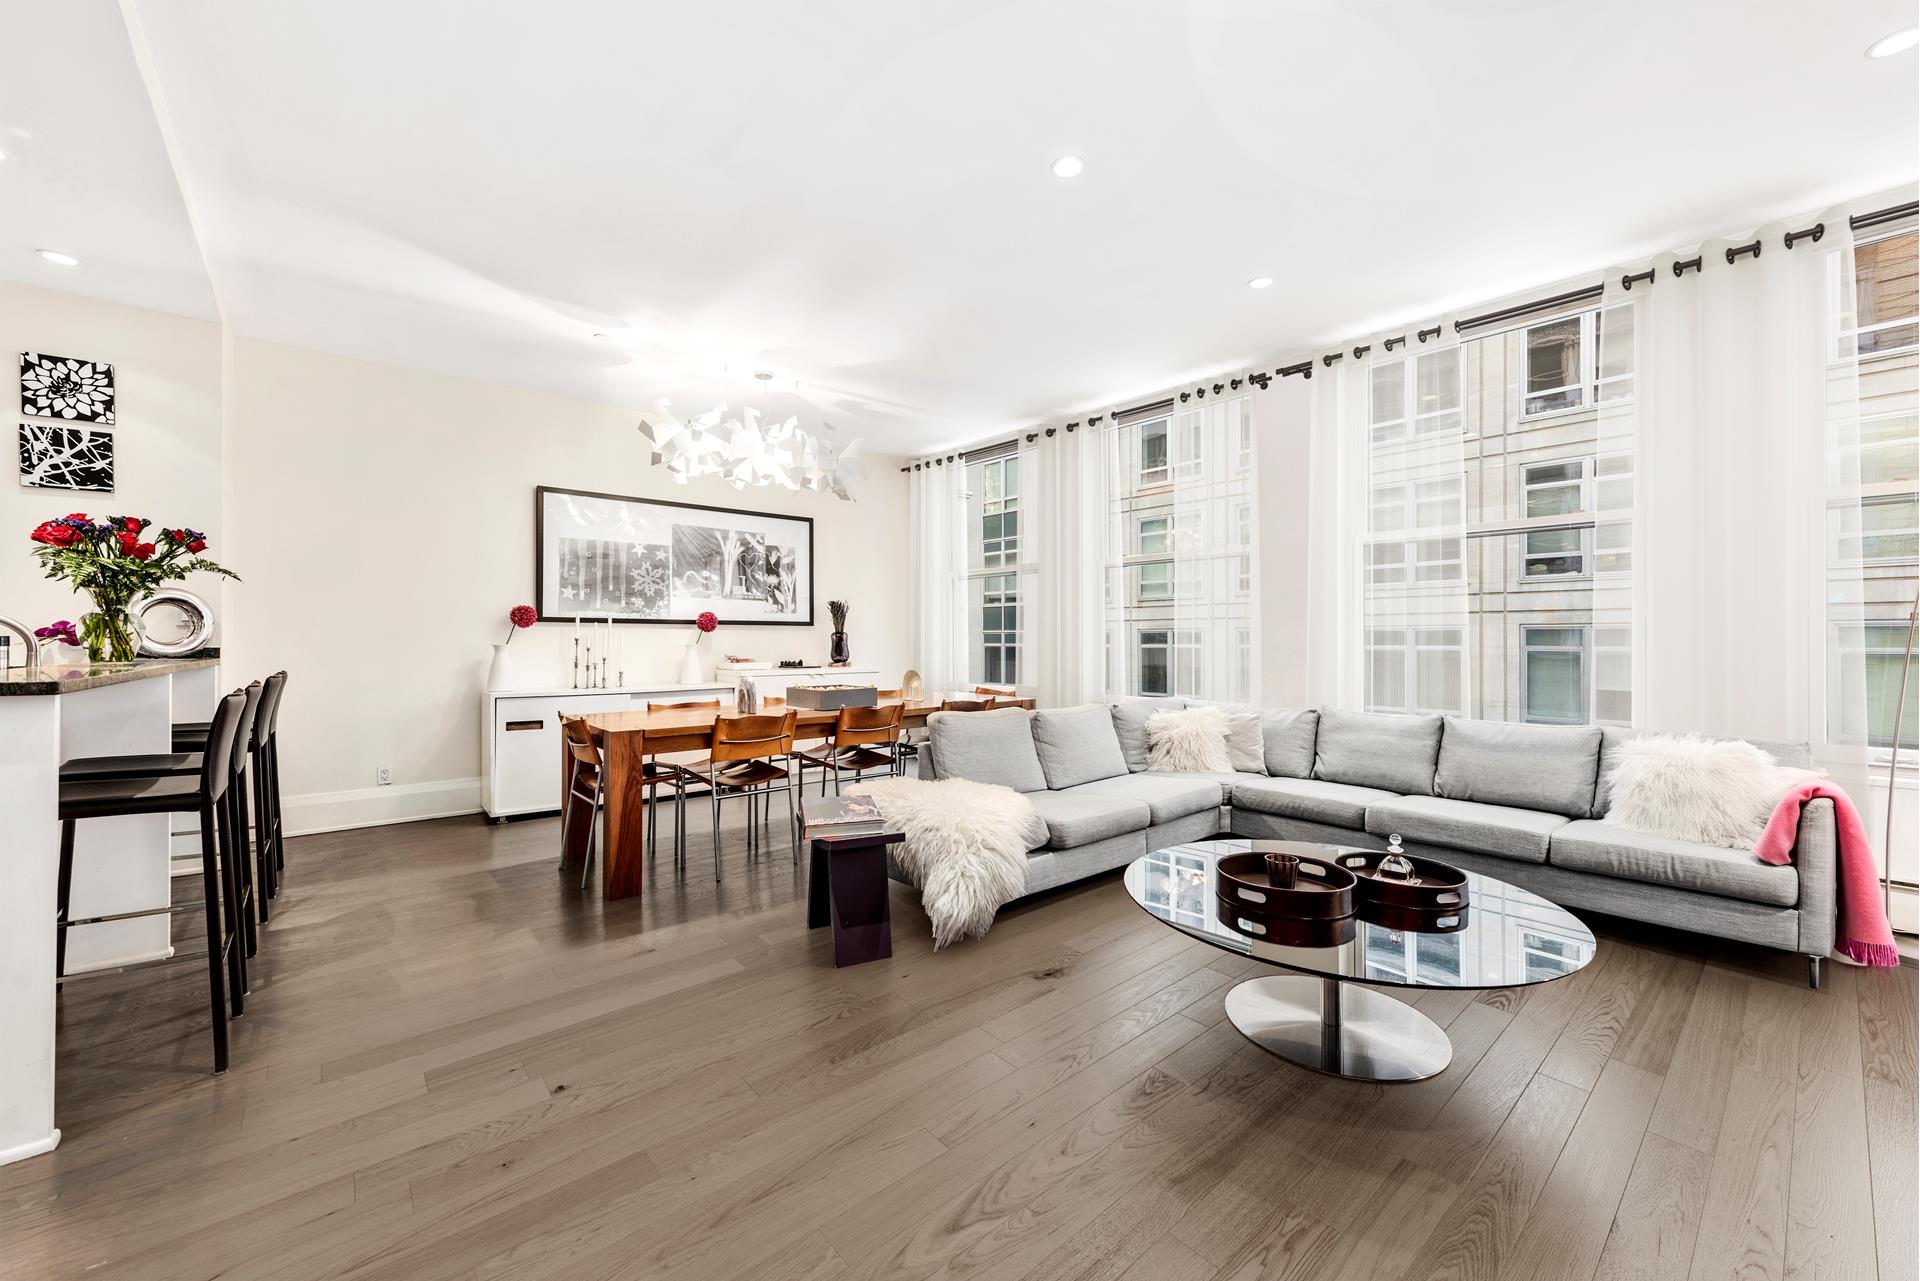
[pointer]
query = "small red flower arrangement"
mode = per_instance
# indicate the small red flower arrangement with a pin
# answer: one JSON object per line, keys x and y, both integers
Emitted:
{"x": 706, "y": 622}
{"x": 520, "y": 616}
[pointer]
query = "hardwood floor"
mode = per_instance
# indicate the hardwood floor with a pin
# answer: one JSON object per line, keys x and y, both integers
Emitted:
{"x": 454, "y": 1065}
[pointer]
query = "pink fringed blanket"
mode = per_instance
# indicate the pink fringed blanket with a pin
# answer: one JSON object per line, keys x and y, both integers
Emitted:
{"x": 1863, "y": 932}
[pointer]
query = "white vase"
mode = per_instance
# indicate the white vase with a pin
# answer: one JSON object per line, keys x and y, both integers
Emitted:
{"x": 690, "y": 665}
{"x": 500, "y": 675}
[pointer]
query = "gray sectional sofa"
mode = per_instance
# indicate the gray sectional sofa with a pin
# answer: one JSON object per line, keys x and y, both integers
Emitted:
{"x": 1523, "y": 803}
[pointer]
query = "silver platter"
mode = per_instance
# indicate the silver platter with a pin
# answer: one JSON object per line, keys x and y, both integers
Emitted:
{"x": 197, "y": 613}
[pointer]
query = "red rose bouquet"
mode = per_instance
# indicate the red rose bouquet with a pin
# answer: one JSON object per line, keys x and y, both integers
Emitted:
{"x": 112, "y": 562}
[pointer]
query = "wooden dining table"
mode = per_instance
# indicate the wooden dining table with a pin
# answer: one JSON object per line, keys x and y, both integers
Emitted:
{"x": 626, "y": 739}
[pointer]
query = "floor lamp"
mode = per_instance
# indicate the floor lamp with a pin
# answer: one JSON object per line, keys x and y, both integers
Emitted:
{"x": 1893, "y": 760}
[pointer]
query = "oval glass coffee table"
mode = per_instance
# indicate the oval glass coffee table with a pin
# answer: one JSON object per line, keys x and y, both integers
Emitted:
{"x": 1510, "y": 938}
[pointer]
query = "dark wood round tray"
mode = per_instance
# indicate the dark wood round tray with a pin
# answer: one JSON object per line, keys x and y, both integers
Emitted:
{"x": 1288, "y": 931}
{"x": 1434, "y": 888}
{"x": 1321, "y": 889}
{"x": 1409, "y": 920}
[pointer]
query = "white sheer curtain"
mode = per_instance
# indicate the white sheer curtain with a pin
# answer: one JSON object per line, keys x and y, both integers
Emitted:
{"x": 1063, "y": 637}
{"x": 1739, "y": 394}
{"x": 1336, "y": 461}
{"x": 937, "y": 581}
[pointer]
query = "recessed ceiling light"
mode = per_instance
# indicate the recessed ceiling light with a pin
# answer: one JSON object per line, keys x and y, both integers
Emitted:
{"x": 1068, "y": 167}
{"x": 601, "y": 335}
{"x": 55, "y": 256}
{"x": 1898, "y": 42}
{"x": 1260, "y": 282}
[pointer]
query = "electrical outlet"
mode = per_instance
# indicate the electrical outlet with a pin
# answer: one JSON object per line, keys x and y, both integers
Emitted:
{"x": 384, "y": 775}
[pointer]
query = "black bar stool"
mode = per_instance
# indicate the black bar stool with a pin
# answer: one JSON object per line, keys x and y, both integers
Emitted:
{"x": 265, "y": 751}
{"x": 208, "y": 794}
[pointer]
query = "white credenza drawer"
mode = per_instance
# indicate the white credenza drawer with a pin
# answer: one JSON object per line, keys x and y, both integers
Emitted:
{"x": 520, "y": 770}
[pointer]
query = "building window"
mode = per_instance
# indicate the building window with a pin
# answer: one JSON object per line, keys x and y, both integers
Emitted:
{"x": 1577, "y": 362}
{"x": 1576, "y": 487}
{"x": 999, "y": 483}
{"x": 1427, "y": 403}
{"x": 1415, "y": 669}
{"x": 1168, "y": 660}
{"x": 1613, "y": 675}
{"x": 1871, "y": 654}
{"x": 1884, "y": 316}
{"x": 1243, "y": 663}
{"x": 1876, "y": 531}
{"x": 1243, "y": 567}
{"x": 1554, "y": 675}
{"x": 1153, "y": 453}
{"x": 999, "y": 614}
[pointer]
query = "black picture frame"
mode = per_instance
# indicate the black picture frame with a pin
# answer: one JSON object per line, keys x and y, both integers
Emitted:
{"x": 730, "y": 605}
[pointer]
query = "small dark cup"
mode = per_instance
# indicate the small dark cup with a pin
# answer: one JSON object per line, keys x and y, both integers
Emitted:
{"x": 1283, "y": 869}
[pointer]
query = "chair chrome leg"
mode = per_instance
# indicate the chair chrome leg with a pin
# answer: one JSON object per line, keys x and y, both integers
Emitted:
{"x": 566, "y": 814}
{"x": 593, "y": 822}
{"x": 713, "y": 790}
{"x": 653, "y": 819}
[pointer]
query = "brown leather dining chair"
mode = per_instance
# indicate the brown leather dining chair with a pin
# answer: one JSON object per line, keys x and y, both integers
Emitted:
{"x": 750, "y": 758}
{"x": 855, "y": 744}
{"x": 965, "y": 704}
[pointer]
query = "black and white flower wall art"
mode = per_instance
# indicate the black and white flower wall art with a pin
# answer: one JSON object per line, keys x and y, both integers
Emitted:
{"x": 54, "y": 457}
{"x": 79, "y": 391}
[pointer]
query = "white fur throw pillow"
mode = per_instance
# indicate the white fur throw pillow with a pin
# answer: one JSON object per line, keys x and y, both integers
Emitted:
{"x": 1194, "y": 740}
{"x": 966, "y": 847}
{"x": 1246, "y": 744}
{"x": 1709, "y": 791}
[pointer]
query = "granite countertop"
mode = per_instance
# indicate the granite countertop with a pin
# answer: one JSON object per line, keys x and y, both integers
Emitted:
{"x": 68, "y": 678}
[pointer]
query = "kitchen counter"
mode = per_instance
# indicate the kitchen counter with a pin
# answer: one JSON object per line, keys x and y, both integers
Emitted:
{"x": 69, "y": 678}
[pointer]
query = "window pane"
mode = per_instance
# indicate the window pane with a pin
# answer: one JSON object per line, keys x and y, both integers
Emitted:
{"x": 1616, "y": 352}
{"x": 1885, "y": 295}
{"x": 1437, "y": 393}
{"x": 1389, "y": 401}
{"x": 1438, "y": 503}
{"x": 1389, "y": 508}
{"x": 1553, "y": 687}
{"x": 1153, "y": 447}
{"x": 1439, "y": 680}
{"x": 1553, "y": 366}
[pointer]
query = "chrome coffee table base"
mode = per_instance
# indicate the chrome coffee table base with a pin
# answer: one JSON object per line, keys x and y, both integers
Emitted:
{"x": 1321, "y": 1023}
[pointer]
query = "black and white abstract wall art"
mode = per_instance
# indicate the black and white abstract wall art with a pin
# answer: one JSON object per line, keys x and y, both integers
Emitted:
{"x": 53, "y": 457}
{"x": 647, "y": 561}
{"x": 66, "y": 388}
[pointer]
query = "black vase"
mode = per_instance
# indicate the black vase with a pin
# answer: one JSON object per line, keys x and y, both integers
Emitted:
{"x": 839, "y": 653}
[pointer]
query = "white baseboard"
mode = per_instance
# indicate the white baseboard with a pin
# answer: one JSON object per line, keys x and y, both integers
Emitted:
{"x": 33, "y": 1147}
{"x": 314, "y": 812}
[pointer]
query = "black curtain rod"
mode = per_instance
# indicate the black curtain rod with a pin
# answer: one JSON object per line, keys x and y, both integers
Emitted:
{"x": 1892, "y": 213}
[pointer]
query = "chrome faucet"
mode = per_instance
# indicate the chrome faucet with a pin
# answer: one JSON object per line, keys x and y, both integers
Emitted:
{"x": 25, "y": 634}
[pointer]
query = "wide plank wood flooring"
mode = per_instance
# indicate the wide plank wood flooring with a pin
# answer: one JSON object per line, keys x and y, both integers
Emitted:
{"x": 454, "y": 1065}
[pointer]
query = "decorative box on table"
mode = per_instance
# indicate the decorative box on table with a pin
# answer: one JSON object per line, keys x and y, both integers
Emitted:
{"x": 827, "y": 698}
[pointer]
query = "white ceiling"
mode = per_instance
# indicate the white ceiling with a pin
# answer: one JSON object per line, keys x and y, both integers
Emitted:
{"x": 856, "y": 195}
{"x": 85, "y": 171}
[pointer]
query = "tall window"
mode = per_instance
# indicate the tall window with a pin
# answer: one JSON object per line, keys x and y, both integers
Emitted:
{"x": 1873, "y": 492}
{"x": 1181, "y": 586}
{"x": 998, "y": 569}
{"x": 1497, "y": 559}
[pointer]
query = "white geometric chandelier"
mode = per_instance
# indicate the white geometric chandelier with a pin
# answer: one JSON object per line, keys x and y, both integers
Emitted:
{"x": 745, "y": 449}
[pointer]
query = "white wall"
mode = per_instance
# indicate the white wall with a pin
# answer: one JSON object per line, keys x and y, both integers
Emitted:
{"x": 167, "y": 441}
{"x": 383, "y": 518}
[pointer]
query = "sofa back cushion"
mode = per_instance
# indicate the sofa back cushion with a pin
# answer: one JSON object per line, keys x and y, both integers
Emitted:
{"x": 1077, "y": 745}
{"x": 1287, "y": 741}
{"x": 987, "y": 747}
{"x": 1130, "y": 724}
{"x": 1394, "y": 753}
{"x": 1796, "y": 755}
{"x": 1550, "y": 768}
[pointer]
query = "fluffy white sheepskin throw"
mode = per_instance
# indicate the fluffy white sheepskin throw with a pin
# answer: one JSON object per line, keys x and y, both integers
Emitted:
{"x": 1709, "y": 791}
{"x": 966, "y": 847}
{"x": 1188, "y": 741}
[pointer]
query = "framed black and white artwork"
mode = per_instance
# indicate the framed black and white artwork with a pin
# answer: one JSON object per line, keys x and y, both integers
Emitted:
{"x": 79, "y": 391}
{"x": 55, "y": 457}
{"x": 645, "y": 560}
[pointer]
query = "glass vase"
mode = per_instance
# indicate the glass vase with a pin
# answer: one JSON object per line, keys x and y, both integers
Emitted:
{"x": 109, "y": 635}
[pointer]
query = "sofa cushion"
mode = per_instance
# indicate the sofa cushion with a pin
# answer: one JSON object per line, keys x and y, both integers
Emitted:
{"x": 1189, "y": 741}
{"x": 1531, "y": 767}
{"x": 1167, "y": 795}
{"x": 1130, "y": 725}
{"x": 1246, "y": 742}
{"x": 1080, "y": 816}
{"x": 1287, "y": 741}
{"x": 1797, "y": 755}
{"x": 1395, "y": 753}
{"x": 987, "y": 747}
{"x": 1310, "y": 800}
{"x": 1466, "y": 825}
{"x": 1077, "y": 745}
{"x": 1608, "y": 850}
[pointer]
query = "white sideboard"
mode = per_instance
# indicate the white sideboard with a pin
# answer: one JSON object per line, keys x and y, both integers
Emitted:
{"x": 520, "y": 737}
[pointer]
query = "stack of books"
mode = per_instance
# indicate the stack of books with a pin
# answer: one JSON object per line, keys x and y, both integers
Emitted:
{"x": 825, "y": 816}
